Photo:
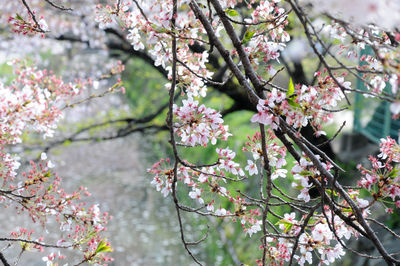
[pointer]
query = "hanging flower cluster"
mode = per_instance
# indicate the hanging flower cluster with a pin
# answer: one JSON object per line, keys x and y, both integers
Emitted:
{"x": 199, "y": 124}
{"x": 383, "y": 179}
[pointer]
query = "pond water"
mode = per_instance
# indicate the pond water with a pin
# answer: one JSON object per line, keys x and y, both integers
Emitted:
{"x": 144, "y": 228}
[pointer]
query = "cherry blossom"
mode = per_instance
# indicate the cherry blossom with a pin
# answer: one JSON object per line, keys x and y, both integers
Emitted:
{"x": 251, "y": 168}
{"x": 199, "y": 124}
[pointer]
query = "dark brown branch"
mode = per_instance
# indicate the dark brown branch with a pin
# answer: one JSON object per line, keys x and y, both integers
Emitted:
{"x": 3, "y": 260}
{"x": 63, "y": 8}
{"x": 33, "y": 242}
{"x": 250, "y": 73}
{"x": 334, "y": 136}
{"x": 169, "y": 120}
{"x": 32, "y": 14}
{"x": 224, "y": 53}
{"x": 122, "y": 132}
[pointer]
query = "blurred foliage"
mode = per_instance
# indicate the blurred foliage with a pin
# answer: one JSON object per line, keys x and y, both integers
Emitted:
{"x": 6, "y": 72}
{"x": 145, "y": 88}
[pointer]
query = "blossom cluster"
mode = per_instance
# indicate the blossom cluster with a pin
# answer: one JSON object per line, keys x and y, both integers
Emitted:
{"x": 302, "y": 105}
{"x": 27, "y": 26}
{"x": 153, "y": 19}
{"x": 367, "y": 43}
{"x": 276, "y": 154}
{"x": 31, "y": 103}
{"x": 268, "y": 40}
{"x": 303, "y": 172}
{"x": 207, "y": 186}
{"x": 199, "y": 124}
{"x": 383, "y": 179}
{"x": 265, "y": 108}
{"x": 321, "y": 236}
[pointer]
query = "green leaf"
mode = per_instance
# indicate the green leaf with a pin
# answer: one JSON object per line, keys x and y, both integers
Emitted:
{"x": 25, "y": 246}
{"x": 330, "y": 191}
{"x": 394, "y": 173}
{"x": 247, "y": 36}
{"x": 102, "y": 247}
{"x": 47, "y": 174}
{"x": 66, "y": 143}
{"x": 290, "y": 89}
{"x": 312, "y": 221}
{"x": 299, "y": 187}
{"x": 306, "y": 173}
{"x": 293, "y": 103}
{"x": 17, "y": 16}
{"x": 347, "y": 210}
{"x": 288, "y": 225}
{"x": 232, "y": 12}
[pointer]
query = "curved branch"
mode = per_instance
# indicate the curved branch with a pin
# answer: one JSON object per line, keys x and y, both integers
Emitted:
{"x": 3, "y": 260}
